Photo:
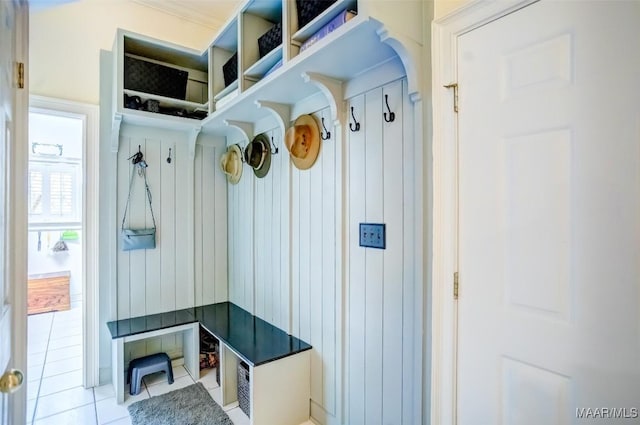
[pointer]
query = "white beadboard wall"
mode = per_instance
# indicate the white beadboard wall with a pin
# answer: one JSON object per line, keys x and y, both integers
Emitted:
{"x": 288, "y": 270}
{"x": 188, "y": 267}
{"x": 380, "y": 284}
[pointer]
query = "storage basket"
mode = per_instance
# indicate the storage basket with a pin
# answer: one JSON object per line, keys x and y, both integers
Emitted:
{"x": 230, "y": 70}
{"x": 149, "y": 77}
{"x": 309, "y": 9}
{"x": 244, "y": 397}
{"x": 270, "y": 39}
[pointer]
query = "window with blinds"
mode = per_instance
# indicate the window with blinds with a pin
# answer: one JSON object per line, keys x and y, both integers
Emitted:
{"x": 54, "y": 193}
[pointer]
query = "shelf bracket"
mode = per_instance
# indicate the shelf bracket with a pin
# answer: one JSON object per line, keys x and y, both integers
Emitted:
{"x": 333, "y": 91}
{"x": 409, "y": 53}
{"x": 193, "y": 136}
{"x": 281, "y": 112}
{"x": 115, "y": 132}
{"x": 246, "y": 128}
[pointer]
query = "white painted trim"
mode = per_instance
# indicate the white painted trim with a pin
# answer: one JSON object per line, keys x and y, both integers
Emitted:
{"x": 16, "y": 257}
{"x": 445, "y": 32}
{"x": 89, "y": 114}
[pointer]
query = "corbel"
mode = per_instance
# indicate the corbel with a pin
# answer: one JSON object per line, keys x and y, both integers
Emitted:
{"x": 193, "y": 136}
{"x": 409, "y": 53}
{"x": 115, "y": 132}
{"x": 280, "y": 111}
{"x": 333, "y": 91}
{"x": 246, "y": 128}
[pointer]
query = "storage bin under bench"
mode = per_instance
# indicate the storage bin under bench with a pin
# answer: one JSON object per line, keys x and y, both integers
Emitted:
{"x": 279, "y": 364}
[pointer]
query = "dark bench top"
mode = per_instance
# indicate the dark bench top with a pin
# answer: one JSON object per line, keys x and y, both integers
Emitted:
{"x": 253, "y": 339}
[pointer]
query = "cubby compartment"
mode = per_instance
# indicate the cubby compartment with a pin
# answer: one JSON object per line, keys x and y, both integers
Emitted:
{"x": 261, "y": 36}
{"x": 157, "y": 78}
{"x": 225, "y": 65}
{"x": 329, "y": 16}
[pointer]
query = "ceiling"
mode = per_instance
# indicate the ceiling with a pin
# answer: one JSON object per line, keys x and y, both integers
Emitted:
{"x": 210, "y": 13}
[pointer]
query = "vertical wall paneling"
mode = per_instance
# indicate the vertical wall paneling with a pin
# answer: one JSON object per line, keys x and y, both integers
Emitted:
{"x": 393, "y": 278}
{"x": 282, "y": 210}
{"x": 295, "y": 248}
{"x": 269, "y": 279}
{"x": 219, "y": 216}
{"x": 329, "y": 283}
{"x": 373, "y": 297}
{"x": 153, "y": 301}
{"x": 167, "y": 207}
{"x": 302, "y": 256}
{"x": 355, "y": 397}
{"x": 316, "y": 273}
{"x": 164, "y": 278}
{"x": 314, "y": 255}
{"x": 198, "y": 235}
{"x": 260, "y": 253}
{"x": 409, "y": 283}
{"x": 124, "y": 172}
{"x": 287, "y": 257}
{"x": 210, "y": 237}
{"x": 241, "y": 236}
{"x": 379, "y": 381}
{"x": 185, "y": 269}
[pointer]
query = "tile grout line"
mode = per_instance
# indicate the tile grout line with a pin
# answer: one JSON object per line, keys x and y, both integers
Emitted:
{"x": 46, "y": 352}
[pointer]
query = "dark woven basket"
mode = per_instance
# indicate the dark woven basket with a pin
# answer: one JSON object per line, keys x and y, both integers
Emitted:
{"x": 309, "y": 9}
{"x": 243, "y": 388}
{"x": 149, "y": 77}
{"x": 230, "y": 70}
{"x": 270, "y": 39}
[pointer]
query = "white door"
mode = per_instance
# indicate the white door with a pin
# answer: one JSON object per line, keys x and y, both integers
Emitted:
{"x": 549, "y": 216}
{"x": 10, "y": 380}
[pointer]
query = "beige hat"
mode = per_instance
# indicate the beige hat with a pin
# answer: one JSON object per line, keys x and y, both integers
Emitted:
{"x": 231, "y": 163}
{"x": 303, "y": 141}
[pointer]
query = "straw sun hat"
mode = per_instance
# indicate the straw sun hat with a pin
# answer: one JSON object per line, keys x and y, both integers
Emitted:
{"x": 231, "y": 163}
{"x": 303, "y": 141}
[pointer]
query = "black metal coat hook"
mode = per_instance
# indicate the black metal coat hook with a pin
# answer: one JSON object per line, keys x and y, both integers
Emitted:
{"x": 274, "y": 148}
{"x": 357, "y": 124}
{"x": 392, "y": 116}
{"x": 325, "y": 131}
{"x": 169, "y": 157}
{"x": 136, "y": 157}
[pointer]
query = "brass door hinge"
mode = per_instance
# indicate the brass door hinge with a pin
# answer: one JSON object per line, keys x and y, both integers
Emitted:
{"x": 20, "y": 74}
{"x": 454, "y": 86}
{"x": 455, "y": 286}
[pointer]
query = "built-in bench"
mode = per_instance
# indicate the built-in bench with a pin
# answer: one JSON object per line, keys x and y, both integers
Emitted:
{"x": 279, "y": 363}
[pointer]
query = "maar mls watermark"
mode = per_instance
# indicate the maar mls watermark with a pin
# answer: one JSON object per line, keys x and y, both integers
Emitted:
{"x": 607, "y": 412}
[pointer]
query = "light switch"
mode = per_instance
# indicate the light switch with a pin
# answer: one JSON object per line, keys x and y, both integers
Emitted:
{"x": 372, "y": 235}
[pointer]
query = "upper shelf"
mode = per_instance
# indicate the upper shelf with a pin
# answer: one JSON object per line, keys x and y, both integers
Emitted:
{"x": 380, "y": 33}
{"x": 333, "y": 57}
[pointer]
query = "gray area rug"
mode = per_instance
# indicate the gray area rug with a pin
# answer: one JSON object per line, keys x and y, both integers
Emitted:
{"x": 191, "y": 405}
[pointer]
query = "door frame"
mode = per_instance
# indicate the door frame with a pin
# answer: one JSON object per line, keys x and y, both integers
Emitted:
{"x": 90, "y": 212}
{"x": 16, "y": 259}
{"x": 444, "y": 34}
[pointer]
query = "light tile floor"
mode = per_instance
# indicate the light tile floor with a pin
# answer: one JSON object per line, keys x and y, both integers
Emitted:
{"x": 54, "y": 388}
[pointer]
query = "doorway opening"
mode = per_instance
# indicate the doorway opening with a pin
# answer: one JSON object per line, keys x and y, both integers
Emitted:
{"x": 55, "y": 254}
{"x": 62, "y": 209}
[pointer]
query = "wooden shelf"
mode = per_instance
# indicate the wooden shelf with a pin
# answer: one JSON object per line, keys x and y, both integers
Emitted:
{"x": 321, "y": 20}
{"x": 225, "y": 91}
{"x": 258, "y": 69}
{"x": 168, "y": 101}
{"x": 286, "y": 85}
{"x": 358, "y": 48}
